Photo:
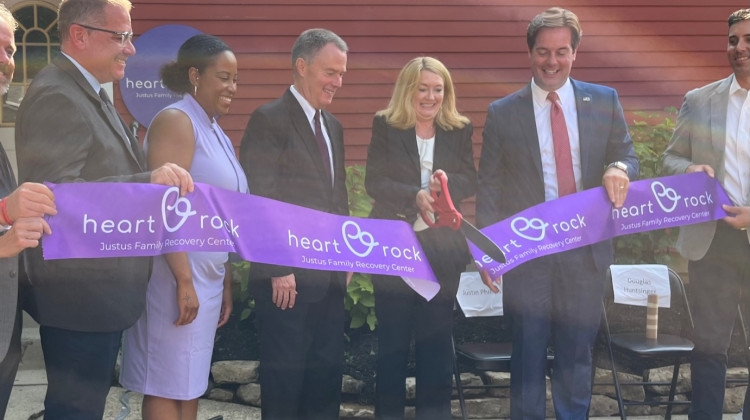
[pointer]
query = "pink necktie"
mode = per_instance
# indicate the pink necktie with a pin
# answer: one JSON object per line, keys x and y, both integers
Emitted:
{"x": 566, "y": 181}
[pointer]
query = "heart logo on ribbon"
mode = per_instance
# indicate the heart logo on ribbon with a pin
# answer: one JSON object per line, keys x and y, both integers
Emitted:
{"x": 185, "y": 212}
{"x": 364, "y": 238}
{"x": 524, "y": 228}
{"x": 668, "y": 193}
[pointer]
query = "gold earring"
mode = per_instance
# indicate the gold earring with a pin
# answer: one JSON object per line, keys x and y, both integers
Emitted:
{"x": 195, "y": 90}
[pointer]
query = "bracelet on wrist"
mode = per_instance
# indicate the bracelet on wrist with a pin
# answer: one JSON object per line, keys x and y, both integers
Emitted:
{"x": 4, "y": 210}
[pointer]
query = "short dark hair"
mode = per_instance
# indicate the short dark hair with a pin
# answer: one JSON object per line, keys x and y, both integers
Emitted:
{"x": 311, "y": 41}
{"x": 738, "y": 16}
{"x": 198, "y": 51}
{"x": 555, "y": 17}
{"x": 90, "y": 12}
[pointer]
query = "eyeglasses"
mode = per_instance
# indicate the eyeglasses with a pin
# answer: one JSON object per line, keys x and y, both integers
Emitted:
{"x": 125, "y": 37}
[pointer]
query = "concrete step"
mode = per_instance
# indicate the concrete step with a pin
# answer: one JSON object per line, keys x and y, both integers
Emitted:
{"x": 30, "y": 377}
{"x": 31, "y": 346}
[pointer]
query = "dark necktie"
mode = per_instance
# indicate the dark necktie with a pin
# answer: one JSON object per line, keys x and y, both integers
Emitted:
{"x": 322, "y": 146}
{"x": 119, "y": 126}
{"x": 566, "y": 181}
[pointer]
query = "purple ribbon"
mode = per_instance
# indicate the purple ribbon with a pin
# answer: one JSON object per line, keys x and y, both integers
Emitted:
{"x": 101, "y": 220}
{"x": 588, "y": 217}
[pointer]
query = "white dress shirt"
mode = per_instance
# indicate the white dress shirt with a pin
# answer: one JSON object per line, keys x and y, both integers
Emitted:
{"x": 310, "y": 113}
{"x": 544, "y": 133}
{"x": 737, "y": 147}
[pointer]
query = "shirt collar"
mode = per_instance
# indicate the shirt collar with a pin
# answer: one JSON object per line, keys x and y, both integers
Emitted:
{"x": 309, "y": 110}
{"x": 86, "y": 74}
{"x": 198, "y": 110}
{"x": 735, "y": 87}
{"x": 540, "y": 95}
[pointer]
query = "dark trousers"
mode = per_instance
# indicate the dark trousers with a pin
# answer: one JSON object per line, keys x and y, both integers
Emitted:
{"x": 9, "y": 365}
{"x": 718, "y": 283}
{"x": 79, "y": 367}
{"x": 402, "y": 313}
{"x": 301, "y": 357}
{"x": 554, "y": 300}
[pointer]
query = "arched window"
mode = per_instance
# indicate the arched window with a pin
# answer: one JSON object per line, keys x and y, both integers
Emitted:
{"x": 38, "y": 41}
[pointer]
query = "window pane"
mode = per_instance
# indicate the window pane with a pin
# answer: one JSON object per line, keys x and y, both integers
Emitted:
{"x": 36, "y": 36}
{"x": 25, "y": 16}
{"x": 36, "y": 59}
{"x": 18, "y": 74}
{"x": 38, "y": 42}
{"x": 46, "y": 17}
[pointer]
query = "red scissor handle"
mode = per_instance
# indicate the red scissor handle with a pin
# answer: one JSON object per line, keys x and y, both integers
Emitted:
{"x": 445, "y": 213}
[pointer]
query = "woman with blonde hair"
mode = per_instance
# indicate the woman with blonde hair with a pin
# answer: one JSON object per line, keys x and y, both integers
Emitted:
{"x": 419, "y": 138}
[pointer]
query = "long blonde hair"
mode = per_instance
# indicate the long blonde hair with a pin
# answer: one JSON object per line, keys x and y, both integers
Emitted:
{"x": 400, "y": 112}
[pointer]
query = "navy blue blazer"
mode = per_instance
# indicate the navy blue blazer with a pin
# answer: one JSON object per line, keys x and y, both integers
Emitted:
{"x": 510, "y": 167}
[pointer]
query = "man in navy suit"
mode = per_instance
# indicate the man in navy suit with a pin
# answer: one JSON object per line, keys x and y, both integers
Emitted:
{"x": 293, "y": 151}
{"x": 553, "y": 300}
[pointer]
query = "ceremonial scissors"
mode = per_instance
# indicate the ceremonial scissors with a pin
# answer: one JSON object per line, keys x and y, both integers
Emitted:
{"x": 447, "y": 215}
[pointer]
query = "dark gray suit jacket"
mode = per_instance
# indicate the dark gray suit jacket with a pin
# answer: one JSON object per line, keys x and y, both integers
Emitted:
{"x": 63, "y": 134}
{"x": 510, "y": 168}
{"x": 8, "y": 267}
{"x": 281, "y": 159}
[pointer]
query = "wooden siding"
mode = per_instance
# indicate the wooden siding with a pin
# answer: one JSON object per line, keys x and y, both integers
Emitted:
{"x": 652, "y": 52}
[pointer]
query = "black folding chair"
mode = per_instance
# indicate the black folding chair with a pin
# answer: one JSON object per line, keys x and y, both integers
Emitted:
{"x": 672, "y": 347}
{"x": 493, "y": 356}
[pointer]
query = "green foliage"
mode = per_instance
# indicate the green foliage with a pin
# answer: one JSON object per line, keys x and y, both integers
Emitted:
{"x": 360, "y": 203}
{"x": 360, "y": 302}
{"x": 360, "y": 298}
{"x": 650, "y": 136}
{"x": 240, "y": 296}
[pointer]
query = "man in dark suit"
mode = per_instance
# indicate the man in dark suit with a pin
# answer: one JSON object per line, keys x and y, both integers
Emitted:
{"x": 21, "y": 226}
{"x": 293, "y": 151}
{"x": 554, "y": 299}
{"x": 67, "y": 130}
{"x": 712, "y": 136}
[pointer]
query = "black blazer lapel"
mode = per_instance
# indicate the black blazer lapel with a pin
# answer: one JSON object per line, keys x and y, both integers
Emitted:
{"x": 408, "y": 139}
{"x": 443, "y": 149}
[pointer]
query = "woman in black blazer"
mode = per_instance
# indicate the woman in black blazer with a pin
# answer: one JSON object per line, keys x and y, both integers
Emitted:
{"x": 419, "y": 135}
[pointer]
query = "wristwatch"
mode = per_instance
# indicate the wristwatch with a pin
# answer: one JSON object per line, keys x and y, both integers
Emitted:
{"x": 619, "y": 165}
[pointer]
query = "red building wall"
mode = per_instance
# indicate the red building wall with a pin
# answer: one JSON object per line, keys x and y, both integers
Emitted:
{"x": 651, "y": 51}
